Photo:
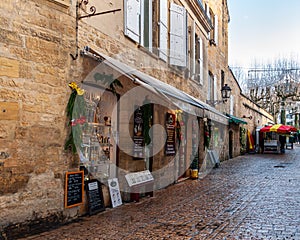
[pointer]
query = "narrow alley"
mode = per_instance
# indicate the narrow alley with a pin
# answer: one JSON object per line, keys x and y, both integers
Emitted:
{"x": 249, "y": 197}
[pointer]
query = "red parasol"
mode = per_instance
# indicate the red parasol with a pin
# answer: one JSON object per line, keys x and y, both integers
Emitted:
{"x": 279, "y": 128}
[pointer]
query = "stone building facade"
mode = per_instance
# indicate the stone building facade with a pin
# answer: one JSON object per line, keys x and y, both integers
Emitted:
{"x": 176, "y": 51}
{"x": 36, "y": 40}
{"x": 250, "y": 118}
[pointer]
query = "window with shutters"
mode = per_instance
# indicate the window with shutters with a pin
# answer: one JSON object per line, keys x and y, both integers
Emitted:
{"x": 213, "y": 35}
{"x": 132, "y": 11}
{"x": 196, "y": 55}
{"x": 178, "y": 35}
{"x": 138, "y": 21}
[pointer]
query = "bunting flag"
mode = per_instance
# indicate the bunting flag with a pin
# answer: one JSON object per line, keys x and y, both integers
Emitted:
{"x": 250, "y": 140}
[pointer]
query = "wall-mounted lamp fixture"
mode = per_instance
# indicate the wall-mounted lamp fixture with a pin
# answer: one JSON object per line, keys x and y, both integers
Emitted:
{"x": 225, "y": 92}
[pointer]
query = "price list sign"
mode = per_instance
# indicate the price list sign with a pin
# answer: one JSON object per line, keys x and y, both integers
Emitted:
{"x": 138, "y": 138}
{"x": 170, "y": 143}
{"x": 74, "y": 189}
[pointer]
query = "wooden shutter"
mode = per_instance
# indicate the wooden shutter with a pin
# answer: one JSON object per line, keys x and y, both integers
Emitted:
{"x": 209, "y": 86}
{"x": 163, "y": 30}
{"x": 178, "y": 34}
{"x": 215, "y": 88}
{"x": 231, "y": 104}
{"x": 132, "y": 12}
{"x": 201, "y": 61}
{"x": 207, "y": 10}
{"x": 193, "y": 50}
{"x": 216, "y": 30}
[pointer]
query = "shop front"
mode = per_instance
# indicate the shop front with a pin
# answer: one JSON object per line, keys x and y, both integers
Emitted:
{"x": 139, "y": 133}
{"x": 215, "y": 138}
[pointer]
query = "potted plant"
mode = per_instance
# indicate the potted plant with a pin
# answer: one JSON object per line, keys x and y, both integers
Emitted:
{"x": 194, "y": 166}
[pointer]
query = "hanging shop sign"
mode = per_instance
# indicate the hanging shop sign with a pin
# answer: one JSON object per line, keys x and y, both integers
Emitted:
{"x": 170, "y": 143}
{"x": 94, "y": 196}
{"x": 74, "y": 189}
{"x": 138, "y": 138}
{"x": 114, "y": 191}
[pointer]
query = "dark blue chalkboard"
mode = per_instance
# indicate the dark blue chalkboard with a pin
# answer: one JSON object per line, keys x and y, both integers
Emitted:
{"x": 74, "y": 189}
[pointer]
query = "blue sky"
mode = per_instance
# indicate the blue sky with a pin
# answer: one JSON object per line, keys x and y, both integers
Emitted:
{"x": 263, "y": 30}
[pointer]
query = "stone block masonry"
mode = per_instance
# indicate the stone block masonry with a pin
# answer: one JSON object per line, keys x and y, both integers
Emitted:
{"x": 36, "y": 38}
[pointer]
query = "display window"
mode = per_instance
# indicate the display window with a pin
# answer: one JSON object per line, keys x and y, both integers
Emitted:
{"x": 97, "y": 148}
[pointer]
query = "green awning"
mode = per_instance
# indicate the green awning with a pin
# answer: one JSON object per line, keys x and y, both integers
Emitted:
{"x": 236, "y": 120}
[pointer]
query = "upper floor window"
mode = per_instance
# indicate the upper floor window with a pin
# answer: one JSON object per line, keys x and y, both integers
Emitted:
{"x": 197, "y": 61}
{"x": 139, "y": 24}
{"x": 138, "y": 21}
{"x": 213, "y": 35}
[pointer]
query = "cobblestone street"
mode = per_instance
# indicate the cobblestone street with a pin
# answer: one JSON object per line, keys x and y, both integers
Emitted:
{"x": 249, "y": 197}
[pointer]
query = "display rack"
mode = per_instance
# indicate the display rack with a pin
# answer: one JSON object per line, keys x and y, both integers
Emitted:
{"x": 97, "y": 150}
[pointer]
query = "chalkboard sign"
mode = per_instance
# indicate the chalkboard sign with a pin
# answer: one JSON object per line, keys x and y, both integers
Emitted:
{"x": 95, "y": 196}
{"x": 74, "y": 189}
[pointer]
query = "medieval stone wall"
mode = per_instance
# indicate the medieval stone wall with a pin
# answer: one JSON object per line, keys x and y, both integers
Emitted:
{"x": 36, "y": 38}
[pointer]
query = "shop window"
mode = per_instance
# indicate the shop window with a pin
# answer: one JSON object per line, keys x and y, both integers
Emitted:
{"x": 178, "y": 36}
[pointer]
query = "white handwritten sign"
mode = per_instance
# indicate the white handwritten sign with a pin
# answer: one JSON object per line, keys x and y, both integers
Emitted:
{"x": 136, "y": 178}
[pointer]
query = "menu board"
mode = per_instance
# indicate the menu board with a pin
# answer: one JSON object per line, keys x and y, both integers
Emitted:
{"x": 138, "y": 138}
{"x": 114, "y": 191}
{"x": 74, "y": 189}
{"x": 170, "y": 142}
{"x": 94, "y": 196}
